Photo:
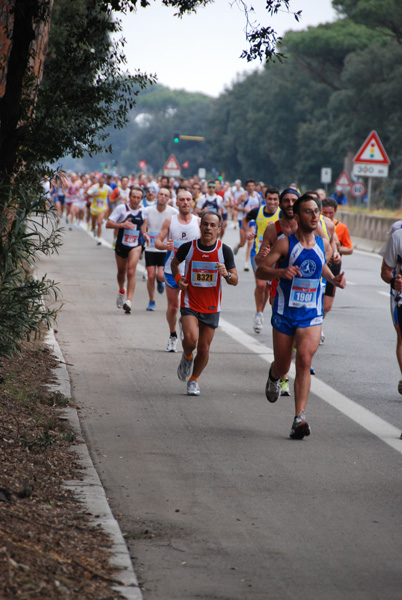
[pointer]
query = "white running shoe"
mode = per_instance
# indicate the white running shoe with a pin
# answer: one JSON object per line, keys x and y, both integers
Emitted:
{"x": 172, "y": 344}
{"x": 285, "y": 387}
{"x": 127, "y": 306}
{"x": 98, "y": 242}
{"x": 246, "y": 266}
{"x": 120, "y": 299}
{"x": 258, "y": 322}
{"x": 144, "y": 276}
{"x": 193, "y": 389}
{"x": 322, "y": 339}
{"x": 181, "y": 329}
{"x": 184, "y": 368}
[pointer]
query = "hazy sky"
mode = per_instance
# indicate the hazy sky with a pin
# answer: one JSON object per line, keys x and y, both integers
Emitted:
{"x": 200, "y": 52}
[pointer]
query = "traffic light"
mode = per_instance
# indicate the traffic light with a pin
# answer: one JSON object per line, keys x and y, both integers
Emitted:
{"x": 176, "y": 137}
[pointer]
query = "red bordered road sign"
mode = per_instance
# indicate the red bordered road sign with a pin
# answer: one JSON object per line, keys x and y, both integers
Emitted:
{"x": 343, "y": 180}
{"x": 358, "y": 189}
{"x": 372, "y": 152}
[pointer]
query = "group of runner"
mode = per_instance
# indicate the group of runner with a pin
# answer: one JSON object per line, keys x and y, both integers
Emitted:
{"x": 179, "y": 226}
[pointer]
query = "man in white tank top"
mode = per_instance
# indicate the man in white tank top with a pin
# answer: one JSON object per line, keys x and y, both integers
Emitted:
{"x": 155, "y": 259}
{"x": 175, "y": 231}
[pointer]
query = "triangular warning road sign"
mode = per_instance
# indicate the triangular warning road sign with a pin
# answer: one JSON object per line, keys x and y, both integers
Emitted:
{"x": 343, "y": 180}
{"x": 172, "y": 164}
{"x": 372, "y": 152}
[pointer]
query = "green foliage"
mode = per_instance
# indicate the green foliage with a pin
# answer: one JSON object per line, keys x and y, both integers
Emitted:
{"x": 159, "y": 113}
{"x": 84, "y": 89}
{"x": 384, "y": 16}
{"x": 28, "y": 231}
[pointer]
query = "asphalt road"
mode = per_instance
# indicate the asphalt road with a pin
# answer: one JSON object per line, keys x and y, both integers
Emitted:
{"x": 214, "y": 498}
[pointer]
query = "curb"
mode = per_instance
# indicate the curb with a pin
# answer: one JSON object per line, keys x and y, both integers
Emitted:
{"x": 90, "y": 491}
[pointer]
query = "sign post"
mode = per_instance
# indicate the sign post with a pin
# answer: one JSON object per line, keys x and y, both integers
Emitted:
{"x": 326, "y": 176}
{"x": 371, "y": 161}
{"x": 172, "y": 167}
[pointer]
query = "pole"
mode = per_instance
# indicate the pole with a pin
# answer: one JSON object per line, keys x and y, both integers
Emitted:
{"x": 369, "y": 192}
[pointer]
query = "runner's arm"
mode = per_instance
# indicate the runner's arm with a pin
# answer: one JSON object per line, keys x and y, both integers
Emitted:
{"x": 387, "y": 275}
{"x": 266, "y": 244}
{"x": 228, "y": 266}
{"x": 160, "y": 243}
{"x": 338, "y": 281}
{"x": 267, "y": 272}
{"x": 181, "y": 254}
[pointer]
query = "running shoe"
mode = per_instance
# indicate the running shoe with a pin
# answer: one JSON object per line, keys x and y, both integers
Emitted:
{"x": 272, "y": 389}
{"x": 151, "y": 305}
{"x": 246, "y": 266}
{"x": 400, "y": 386}
{"x": 285, "y": 387}
{"x": 236, "y": 249}
{"x": 120, "y": 299}
{"x": 98, "y": 242}
{"x": 172, "y": 344}
{"x": 312, "y": 371}
{"x": 184, "y": 368}
{"x": 114, "y": 245}
{"x": 258, "y": 321}
{"x": 300, "y": 428}
{"x": 127, "y": 306}
{"x": 144, "y": 276}
{"x": 322, "y": 338}
{"x": 161, "y": 287}
{"x": 193, "y": 389}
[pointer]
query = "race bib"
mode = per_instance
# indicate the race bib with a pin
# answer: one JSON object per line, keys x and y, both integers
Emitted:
{"x": 303, "y": 293}
{"x": 99, "y": 203}
{"x": 152, "y": 238}
{"x": 204, "y": 274}
{"x": 130, "y": 237}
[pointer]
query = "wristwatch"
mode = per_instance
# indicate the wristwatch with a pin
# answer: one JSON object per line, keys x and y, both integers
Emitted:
{"x": 228, "y": 276}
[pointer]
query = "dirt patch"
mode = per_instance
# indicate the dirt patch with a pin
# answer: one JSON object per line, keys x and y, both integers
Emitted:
{"x": 48, "y": 549}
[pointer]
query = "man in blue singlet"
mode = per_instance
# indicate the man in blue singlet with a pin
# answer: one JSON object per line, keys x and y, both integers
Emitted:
{"x": 297, "y": 311}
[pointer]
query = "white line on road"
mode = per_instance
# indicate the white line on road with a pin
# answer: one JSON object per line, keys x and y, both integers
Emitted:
{"x": 383, "y": 293}
{"x": 363, "y": 417}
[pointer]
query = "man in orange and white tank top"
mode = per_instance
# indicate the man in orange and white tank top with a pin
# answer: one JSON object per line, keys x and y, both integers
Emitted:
{"x": 206, "y": 261}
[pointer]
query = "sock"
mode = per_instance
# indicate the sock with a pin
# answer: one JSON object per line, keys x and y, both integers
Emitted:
{"x": 173, "y": 334}
{"x": 271, "y": 378}
{"x": 192, "y": 378}
{"x": 122, "y": 291}
{"x": 188, "y": 357}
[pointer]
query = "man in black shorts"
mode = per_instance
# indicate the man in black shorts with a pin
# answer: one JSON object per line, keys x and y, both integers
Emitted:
{"x": 207, "y": 262}
{"x": 154, "y": 258}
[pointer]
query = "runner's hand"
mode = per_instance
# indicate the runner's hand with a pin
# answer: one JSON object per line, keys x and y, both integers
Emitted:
{"x": 340, "y": 280}
{"x": 170, "y": 245}
{"x": 291, "y": 272}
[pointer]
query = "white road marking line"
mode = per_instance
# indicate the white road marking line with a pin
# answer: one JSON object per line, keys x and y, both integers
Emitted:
{"x": 383, "y": 293}
{"x": 363, "y": 417}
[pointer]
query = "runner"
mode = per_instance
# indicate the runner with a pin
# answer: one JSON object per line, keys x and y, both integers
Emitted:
{"x": 176, "y": 230}
{"x": 246, "y": 203}
{"x": 285, "y": 226}
{"x": 209, "y": 201}
{"x": 154, "y": 258}
{"x": 98, "y": 194}
{"x": 262, "y": 216}
{"x": 207, "y": 260}
{"x": 130, "y": 220}
{"x": 297, "y": 313}
{"x": 345, "y": 248}
{"x": 391, "y": 274}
